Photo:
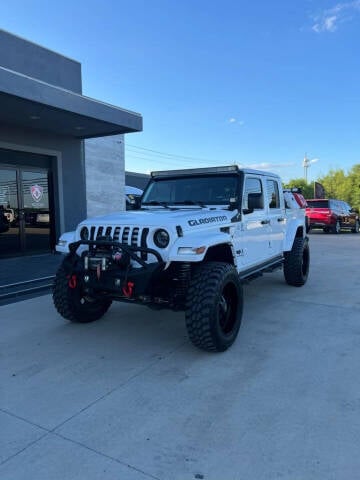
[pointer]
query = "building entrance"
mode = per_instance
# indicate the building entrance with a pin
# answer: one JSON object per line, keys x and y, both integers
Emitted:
{"x": 25, "y": 207}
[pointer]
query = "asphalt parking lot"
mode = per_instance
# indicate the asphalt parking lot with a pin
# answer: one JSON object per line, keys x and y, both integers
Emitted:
{"x": 128, "y": 397}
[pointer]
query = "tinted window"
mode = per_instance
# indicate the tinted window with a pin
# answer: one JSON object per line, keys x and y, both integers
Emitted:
{"x": 336, "y": 205}
{"x": 273, "y": 194}
{"x": 254, "y": 188}
{"x": 318, "y": 203}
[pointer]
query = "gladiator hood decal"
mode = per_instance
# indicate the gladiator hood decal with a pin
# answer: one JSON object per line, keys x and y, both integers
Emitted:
{"x": 205, "y": 220}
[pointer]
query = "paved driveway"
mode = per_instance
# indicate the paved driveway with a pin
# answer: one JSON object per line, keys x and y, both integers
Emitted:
{"x": 129, "y": 398}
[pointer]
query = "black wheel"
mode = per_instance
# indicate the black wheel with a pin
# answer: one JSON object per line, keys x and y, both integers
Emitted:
{"x": 356, "y": 228}
{"x": 73, "y": 304}
{"x": 297, "y": 262}
{"x": 326, "y": 229}
{"x": 214, "y": 306}
{"x": 336, "y": 228}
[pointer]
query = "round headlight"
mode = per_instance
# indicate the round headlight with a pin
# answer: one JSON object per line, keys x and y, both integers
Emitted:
{"x": 161, "y": 238}
{"x": 84, "y": 233}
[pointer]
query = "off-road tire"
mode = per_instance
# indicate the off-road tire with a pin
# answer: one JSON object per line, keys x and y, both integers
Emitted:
{"x": 356, "y": 228}
{"x": 72, "y": 304}
{"x": 214, "y": 306}
{"x": 297, "y": 262}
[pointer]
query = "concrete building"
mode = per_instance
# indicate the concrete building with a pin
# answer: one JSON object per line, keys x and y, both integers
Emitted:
{"x": 61, "y": 153}
{"x": 138, "y": 180}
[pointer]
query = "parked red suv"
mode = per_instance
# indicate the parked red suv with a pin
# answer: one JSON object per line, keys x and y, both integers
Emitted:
{"x": 332, "y": 215}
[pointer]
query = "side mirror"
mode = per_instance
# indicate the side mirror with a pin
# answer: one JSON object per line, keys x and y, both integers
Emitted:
{"x": 133, "y": 202}
{"x": 137, "y": 203}
{"x": 233, "y": 203}
{"x": 246, "y": 211}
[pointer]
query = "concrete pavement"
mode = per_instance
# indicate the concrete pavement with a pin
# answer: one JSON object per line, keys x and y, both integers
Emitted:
{"x": 128, "y": 397}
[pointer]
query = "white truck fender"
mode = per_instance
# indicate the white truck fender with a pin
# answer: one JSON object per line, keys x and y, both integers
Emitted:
{"x": 193, "y": 248}
{"x": 292, "y": 226}
{"x": 63, "y": 243}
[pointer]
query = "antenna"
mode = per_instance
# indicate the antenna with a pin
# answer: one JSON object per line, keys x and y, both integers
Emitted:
{"x": 306, "y": 164}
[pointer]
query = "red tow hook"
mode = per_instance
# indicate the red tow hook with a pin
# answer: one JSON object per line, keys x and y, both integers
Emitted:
{"x": 128, "y": 289}
{"x": 72, "y": 281}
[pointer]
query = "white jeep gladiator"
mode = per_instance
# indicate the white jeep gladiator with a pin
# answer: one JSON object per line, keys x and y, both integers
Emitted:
{"x": 196, "y": 237}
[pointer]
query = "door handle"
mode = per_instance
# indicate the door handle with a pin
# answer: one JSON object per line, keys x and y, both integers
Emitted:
{"x": 280, "y": 219}
{"x": 265, "y": 222}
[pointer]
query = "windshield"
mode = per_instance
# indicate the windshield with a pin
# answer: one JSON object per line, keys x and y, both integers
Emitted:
{"x": 204, "y": 190}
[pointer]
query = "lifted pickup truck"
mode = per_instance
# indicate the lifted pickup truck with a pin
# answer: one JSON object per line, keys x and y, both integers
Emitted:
{"x": 197, "y": 236}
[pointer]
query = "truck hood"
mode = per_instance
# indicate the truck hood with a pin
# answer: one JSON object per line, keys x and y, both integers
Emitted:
{"x": 187, "y": 218}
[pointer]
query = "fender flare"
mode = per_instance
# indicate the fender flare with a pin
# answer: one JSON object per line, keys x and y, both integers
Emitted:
{"x": 292, "y": 232}
{"x": 192, "y": 242}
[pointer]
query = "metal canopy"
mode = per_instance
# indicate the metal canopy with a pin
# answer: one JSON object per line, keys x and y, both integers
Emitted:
{"x": 29, "y": 103}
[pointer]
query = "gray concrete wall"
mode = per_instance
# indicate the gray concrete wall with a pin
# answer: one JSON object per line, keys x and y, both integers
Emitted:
{"x": 105, "y": 175}
{"x": 68, "y": 168}
{"x": 38, "y": 62}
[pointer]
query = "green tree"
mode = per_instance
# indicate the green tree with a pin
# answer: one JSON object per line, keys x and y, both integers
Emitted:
{"x": 306, "y": 188}
{"x": 337, "y": 185}
{"x": 354, "y": 183}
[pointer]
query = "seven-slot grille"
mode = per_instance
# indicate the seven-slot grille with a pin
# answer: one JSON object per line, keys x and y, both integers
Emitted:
{"x": 133, "y": 236}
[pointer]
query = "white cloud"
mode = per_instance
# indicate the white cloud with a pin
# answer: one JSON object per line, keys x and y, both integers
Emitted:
{"x": 330, "y": 23}
{"x": 238, "y": 122}
{"x": 329, "y": 19}
{"x": 268, "y": 166}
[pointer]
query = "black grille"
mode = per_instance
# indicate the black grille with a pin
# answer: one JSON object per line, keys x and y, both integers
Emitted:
{"x": 143, "y": 244}
{"x": 134, "y": 236}
{"x": 131, "y": 236}
{"x": 116, "y": 234}
{"x": 125, "y": 235}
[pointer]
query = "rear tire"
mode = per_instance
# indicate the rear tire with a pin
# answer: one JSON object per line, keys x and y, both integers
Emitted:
{"x": 356, "y": 228}
{"x": 73, "y": 304}
{"x": 214, "y": 306}
{"x": 297, "y": 262}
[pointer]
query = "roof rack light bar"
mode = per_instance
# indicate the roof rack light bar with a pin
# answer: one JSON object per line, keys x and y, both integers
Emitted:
{"x": 194, "y": 171}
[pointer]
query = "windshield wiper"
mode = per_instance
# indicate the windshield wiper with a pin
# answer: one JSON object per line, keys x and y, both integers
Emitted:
{"x": 155, "y": 202}
{"x": 191, "y": 202}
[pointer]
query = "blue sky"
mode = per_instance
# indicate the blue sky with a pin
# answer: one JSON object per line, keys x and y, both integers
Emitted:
{"x": 217, "y": 82}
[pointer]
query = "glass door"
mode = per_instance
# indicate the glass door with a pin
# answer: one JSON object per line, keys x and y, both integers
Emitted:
{"x": 34, "y": 188}
{"x": 9, "y": 213}
{"x": 25, "y": 217}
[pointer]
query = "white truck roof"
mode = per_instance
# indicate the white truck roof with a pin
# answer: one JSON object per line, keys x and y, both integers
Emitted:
{"x": 212, "y": 170}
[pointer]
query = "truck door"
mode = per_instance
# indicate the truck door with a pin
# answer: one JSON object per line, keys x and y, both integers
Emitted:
{"x": 276, "y": 214}
{"x": 256, "y": 229}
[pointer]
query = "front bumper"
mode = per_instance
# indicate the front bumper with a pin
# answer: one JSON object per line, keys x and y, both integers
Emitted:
{"x": 113, "y": 269}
